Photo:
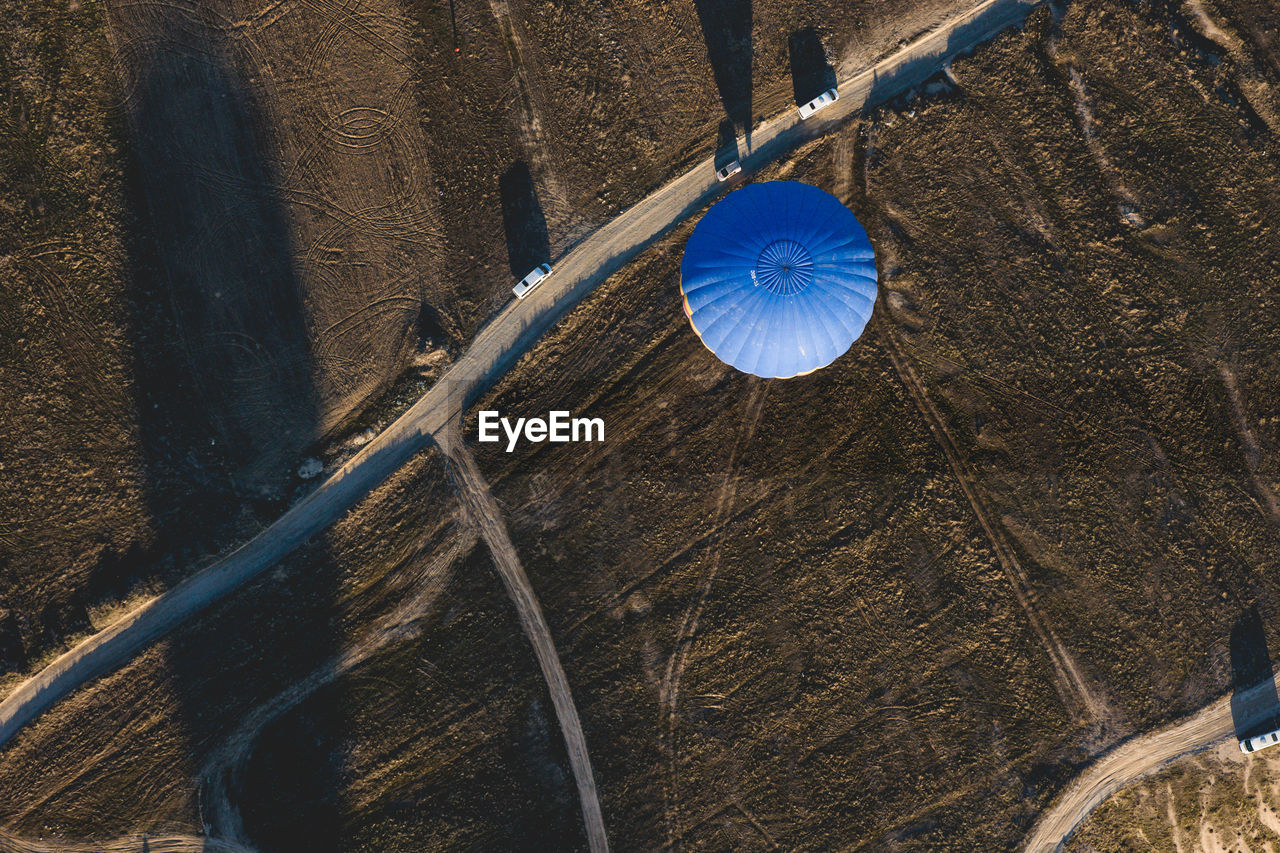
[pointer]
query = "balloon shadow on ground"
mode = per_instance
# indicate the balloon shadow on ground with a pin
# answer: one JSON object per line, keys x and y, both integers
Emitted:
{"x": 226, "y": 392}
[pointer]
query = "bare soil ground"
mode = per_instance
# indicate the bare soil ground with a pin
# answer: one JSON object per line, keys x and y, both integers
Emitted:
{"x": 200, "y": 725}
{"x": 628, "y": 93}
{"x": 72, "y": 492}
{"x": 1209, "y": 803}
{"x": 236, "y": 225}
{"x": 893, "y": 605}
{"x": 1099, "y": 406}
{"x": 241, "y": 204}
{"x": 245, "y": 272}
{"x": 745, "y": 578}
{"x": 778, "y": 582}
{"x": 1250, "y": 709}
{"x": 376, "y": 692}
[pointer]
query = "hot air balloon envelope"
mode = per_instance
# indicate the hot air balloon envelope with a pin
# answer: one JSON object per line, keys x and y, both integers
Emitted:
{"x": 779, "y": 279}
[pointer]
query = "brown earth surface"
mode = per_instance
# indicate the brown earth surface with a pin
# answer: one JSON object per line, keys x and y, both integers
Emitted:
{"x": 231, "y": 227}
{"x": 1249, "y": 711}
{"x": 1214, "y": 802}
{"x": 744, "y": 567}
{"x": 897, "y": 604}
{"x": 203, "y": 726}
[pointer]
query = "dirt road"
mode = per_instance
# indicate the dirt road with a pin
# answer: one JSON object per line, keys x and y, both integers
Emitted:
{"x": 482, "y": 510}
{"x": 1143, "y": 756}
{"x": 128, "y": 844}
{"x": 509, "y": 334}
{"x": 222, "y": 777}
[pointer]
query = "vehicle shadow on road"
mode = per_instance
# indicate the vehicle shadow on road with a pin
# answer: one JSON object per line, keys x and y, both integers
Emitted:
{"x": 726, "y": 28}
{"x": 811, "y": 71}
{"x": 528, "y": 242}
{"x": 1252, "y": 710}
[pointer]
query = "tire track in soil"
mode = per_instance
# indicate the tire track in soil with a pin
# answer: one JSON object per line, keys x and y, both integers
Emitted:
{"x": 533, "y": 138}
{"x": 344, "y": 16}
{"x": 1087, "y": 121}
{"x": 141, "y": 843}
{"x": 1074, "y": 689}
{"x": 492, "y": 352}
{"x": 360, "y": 193}
{"x": 222, "y": 777}
{"x": 843, "y": 153}
{"x": 481, "y": 509}
{"x": 669, "y": 692}
{"x": 1249, "y": 447}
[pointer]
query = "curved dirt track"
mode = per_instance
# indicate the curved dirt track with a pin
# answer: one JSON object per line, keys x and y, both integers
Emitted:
{"x": 222, "y": 776}
{"x": 1143, "y": 756}
{"x": 127, "y": 844}
{"x": 494, "y": 350}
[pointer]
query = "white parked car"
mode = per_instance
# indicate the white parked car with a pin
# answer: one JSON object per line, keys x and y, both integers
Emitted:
{"x": 1262, "y": 741}
{"x": 824, "y": 100}
{"x": 729, "y": 171}
{"x": 532, "y": 280}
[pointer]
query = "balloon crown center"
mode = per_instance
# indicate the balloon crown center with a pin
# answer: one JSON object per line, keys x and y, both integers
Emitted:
{"x": 784, "y": 267}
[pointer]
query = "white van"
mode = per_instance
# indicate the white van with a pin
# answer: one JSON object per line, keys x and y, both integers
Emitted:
{"x": 826, "y": 99}
{"x": 729, "y": 171}
{"x": 1262, "y": 741}
{"x": 532, "y": 280}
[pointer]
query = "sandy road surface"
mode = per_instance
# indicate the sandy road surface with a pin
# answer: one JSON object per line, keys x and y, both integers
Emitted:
{"x": 1143, "y": 756}
{"x": 128, "y": 844}
{"x": 481, "y": 508}
{"x": 496, "y": 347}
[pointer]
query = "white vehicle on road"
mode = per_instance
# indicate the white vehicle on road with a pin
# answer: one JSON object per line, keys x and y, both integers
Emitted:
{"x": 486, "y": 360}
{"x": 729, "y": 171}
{"x": 1262, "y": 741}
{"x": 532, "y": 280}
{"x": 824, "y": 100}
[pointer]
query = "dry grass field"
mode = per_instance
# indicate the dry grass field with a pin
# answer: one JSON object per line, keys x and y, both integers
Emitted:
{"x": 894, "y": 605}
{"x": 1209, "y": 803}
{"x": 231, "y": 228}
{"x": 784, "y": 584}
{"x": 157, "y": 741}
{"x": 72, "y": 491}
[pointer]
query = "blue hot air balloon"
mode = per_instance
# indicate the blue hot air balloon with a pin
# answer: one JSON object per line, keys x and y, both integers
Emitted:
{"x": 779, "y": 279}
